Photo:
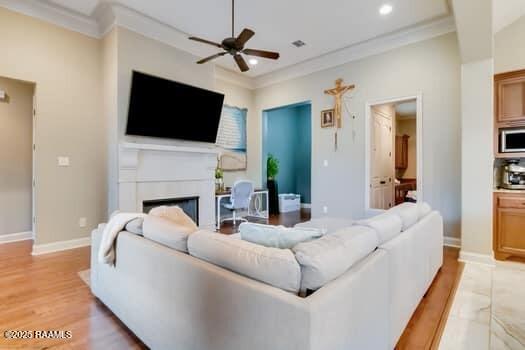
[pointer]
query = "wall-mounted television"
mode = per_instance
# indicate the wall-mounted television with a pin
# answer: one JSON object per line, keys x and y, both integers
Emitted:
{"x": 168, "y": 109}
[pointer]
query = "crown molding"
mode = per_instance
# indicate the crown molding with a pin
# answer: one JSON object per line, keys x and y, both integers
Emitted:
{"x": 109, "y": 15}
{"x": 67, "y": 19}
{"x": 359, "y": 51}
{"x": 234, "y": 78}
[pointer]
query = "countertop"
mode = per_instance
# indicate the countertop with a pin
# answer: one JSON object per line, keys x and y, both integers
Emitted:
{"x": 504, "y": 190}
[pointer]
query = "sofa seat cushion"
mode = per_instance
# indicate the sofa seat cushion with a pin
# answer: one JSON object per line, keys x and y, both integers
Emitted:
{"x": 276, "y": 236}
{"x": 166, "y": 232}
{"x": 324, "y": 259}
{"x": 407, "y": 212}
{"x": 386, "y": 226}
{"x": 326, "y": 224}
{"x": 273, "y": 266}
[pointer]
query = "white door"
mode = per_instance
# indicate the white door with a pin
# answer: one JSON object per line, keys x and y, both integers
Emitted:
{"x": 381, "y": 184}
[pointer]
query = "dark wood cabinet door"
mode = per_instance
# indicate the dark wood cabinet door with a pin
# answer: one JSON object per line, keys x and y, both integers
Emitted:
{"x": 401, "y": 159}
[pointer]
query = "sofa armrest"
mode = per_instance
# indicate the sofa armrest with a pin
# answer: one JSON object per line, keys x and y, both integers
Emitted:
{"x": 351, "y": 312}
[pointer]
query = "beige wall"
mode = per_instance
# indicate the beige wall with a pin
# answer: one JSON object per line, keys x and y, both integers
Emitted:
{"x": 66, "y": 69}
{"x": 235, "y": 95}
{"x": 509, "y": 47}
{"x": 409, "y": 127}
{"x": 16, "y": 139}
{"x": 431, "y": 68}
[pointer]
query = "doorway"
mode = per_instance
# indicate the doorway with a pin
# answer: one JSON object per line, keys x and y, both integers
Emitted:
{"x": 393, "y": 161}
{"x": 287, "y": 136}
{"x": 16, "y": 160}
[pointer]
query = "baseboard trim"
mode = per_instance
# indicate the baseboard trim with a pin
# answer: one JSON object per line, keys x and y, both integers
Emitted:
{"x": 476, "y": 258}
{"x": 15, "y": 237}
{"x": 451, "y": 242}
{"x": 39, "y": 249}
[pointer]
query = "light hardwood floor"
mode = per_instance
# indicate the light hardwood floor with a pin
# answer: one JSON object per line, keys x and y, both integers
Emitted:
{"x": 46, "y": 293}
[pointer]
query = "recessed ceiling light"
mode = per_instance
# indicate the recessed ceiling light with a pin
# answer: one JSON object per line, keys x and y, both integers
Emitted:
{"x": 253, "y": 61}
{"x": 385, "y": 9}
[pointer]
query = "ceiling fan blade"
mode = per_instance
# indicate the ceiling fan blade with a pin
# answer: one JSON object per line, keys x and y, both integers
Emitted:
{"x": 261, "y": 53}
{"x": 245, "y": 35}
{"x": 204, "y": 60}
{"x": 241, "y": 63}
{"x": 205, "y": 41}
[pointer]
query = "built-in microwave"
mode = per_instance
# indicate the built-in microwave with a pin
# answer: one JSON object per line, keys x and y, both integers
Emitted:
{"x": 512, "y": 140}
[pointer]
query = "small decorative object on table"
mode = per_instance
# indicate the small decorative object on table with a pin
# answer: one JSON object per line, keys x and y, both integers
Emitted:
{"x": 219, "y": 182}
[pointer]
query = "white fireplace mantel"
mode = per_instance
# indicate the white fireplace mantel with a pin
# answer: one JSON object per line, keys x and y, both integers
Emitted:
{"x": 169, "y": 148}
{"x": 150, "y": 172}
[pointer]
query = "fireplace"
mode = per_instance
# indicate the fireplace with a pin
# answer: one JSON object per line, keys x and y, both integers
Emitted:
{"x": 190, "y": 205}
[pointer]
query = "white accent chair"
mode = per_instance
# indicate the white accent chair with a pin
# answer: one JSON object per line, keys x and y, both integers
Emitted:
{"x": 241, "y": 194}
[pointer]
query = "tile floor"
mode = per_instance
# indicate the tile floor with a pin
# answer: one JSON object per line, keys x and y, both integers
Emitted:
{"x": 488, "y": 311}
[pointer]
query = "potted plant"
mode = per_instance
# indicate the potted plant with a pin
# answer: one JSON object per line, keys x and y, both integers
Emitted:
{"x": 272, "y": 169}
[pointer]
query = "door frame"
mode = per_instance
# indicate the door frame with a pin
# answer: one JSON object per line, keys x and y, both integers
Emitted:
{"x": 419, "y": 145}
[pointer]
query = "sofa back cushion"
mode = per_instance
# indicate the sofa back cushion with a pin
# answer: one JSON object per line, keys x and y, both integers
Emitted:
{"x": 166, "y": 232}
{"x": 386, "y": 226}
{"x": 326, "y": 224}
{"x": 135, "y": 226}
{"x": 276, "y": 236}
{"x": 407, "y": 212}
{"x": 274, "y": 266}
{"x": 324, "y": 259}
{"x": 423, "y": 209}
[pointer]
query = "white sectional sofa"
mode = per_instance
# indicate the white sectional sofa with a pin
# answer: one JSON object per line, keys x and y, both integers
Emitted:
{"x": 364, "y": 281}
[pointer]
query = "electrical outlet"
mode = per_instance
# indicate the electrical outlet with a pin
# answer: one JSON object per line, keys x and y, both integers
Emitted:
{"x": 325, "y": 163}
{"x": 82, "y": 222}
{"x": 325, "y": 209}
{"x": 63, "y": 161}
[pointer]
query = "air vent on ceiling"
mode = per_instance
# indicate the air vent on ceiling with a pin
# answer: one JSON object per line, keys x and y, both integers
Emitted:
{"x": 298, "y": 43}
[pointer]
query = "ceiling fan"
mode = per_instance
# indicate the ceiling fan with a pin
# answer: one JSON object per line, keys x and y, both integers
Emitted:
{"x": 235, "y": 46}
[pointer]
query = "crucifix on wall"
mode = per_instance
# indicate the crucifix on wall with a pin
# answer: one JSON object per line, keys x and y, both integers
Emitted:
{"x": 338, "y": 93}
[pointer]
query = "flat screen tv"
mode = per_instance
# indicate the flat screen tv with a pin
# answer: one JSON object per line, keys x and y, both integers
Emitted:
{"x": 163, "y": 108}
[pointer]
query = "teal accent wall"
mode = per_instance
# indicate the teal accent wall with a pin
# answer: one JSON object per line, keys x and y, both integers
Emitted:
{"x": 288, "y": 136}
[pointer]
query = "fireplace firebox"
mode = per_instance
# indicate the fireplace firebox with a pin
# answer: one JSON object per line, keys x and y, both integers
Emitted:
{"x": 190, "y": 205}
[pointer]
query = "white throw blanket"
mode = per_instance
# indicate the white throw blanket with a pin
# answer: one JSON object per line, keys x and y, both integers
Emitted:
{"x": 106, "y": 252}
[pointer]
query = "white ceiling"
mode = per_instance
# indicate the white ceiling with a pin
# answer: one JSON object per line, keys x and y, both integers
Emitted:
{"x": 325, "y": 26}
{"x": 506, "y": 12}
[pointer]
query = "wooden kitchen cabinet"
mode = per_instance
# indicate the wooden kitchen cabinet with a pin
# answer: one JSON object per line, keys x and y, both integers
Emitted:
{"x": 509, "y": 225}
{"x": 509, "y": 104}
{"x": 402, "y": 152}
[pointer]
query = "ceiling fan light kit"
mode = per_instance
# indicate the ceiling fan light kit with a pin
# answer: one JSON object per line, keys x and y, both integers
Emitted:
{"x": 235, "y": 46}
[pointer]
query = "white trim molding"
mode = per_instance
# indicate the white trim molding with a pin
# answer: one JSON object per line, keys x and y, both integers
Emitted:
{"x": 234, "y": 78}
{"x": 39, "y": 249}
{"x": 359, "y": 51}
{"x": 53, "y": 14}
{"x": 476, "y": 258}
{"x": 451, "y": 242}
{"x": 108, "y": 15}
{"x": 15, "y": 237}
